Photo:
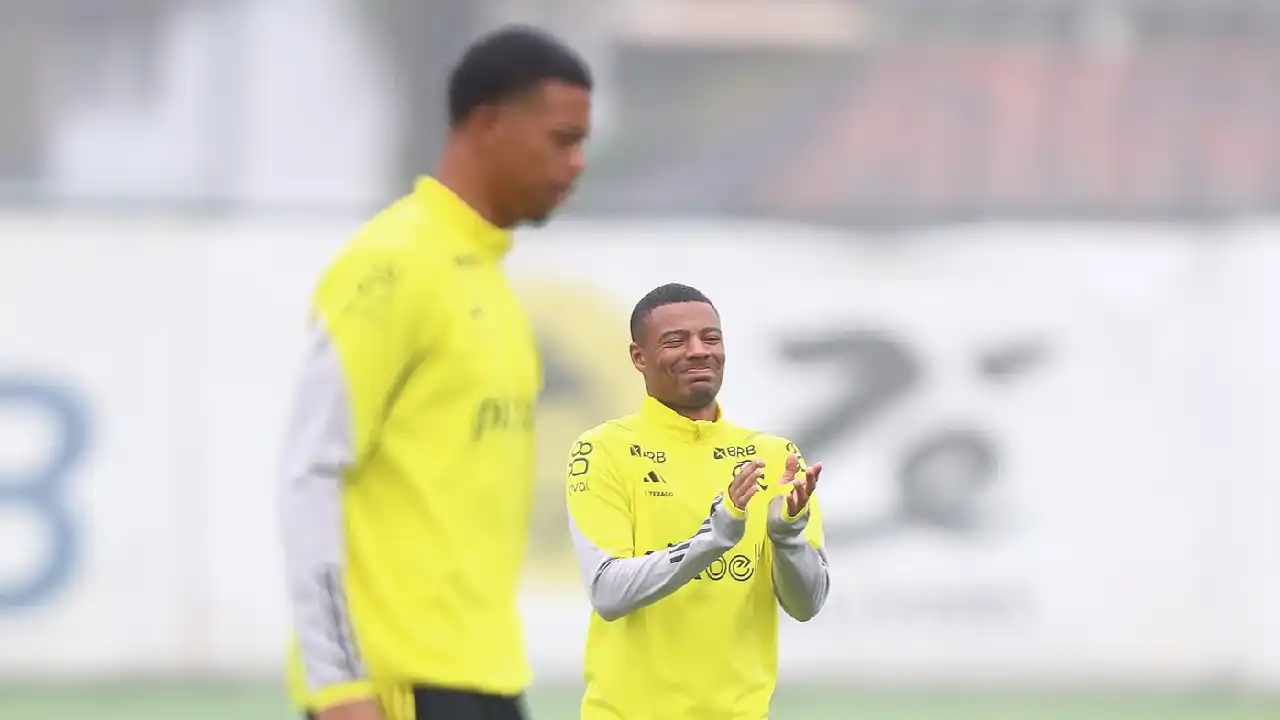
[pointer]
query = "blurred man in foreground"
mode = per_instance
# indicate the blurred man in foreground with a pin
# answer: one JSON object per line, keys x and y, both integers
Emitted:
{"x": 408, "y": 459}
{"x": 686, "y": 619}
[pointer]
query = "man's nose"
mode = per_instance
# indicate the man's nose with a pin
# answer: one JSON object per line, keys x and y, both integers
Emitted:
{"x": 577, "y": 160}
{"x": 697, "y": 348}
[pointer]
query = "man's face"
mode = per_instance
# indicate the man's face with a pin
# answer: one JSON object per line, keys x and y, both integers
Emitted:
{"x": 539, "y": 148}
{"x": 681, "y": 355}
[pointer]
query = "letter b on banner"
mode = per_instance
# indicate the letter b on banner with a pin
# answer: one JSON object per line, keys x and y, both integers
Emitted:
{"x": 33, "y": 491}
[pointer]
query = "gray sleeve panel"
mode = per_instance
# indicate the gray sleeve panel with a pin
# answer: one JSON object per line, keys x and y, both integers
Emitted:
{"x": 618, "y": 586}
{"x": 801, "y": 578}
{"x": 317, "y": 449}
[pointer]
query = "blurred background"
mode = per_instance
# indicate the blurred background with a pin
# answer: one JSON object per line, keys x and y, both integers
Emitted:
{"x": 1011, "y": 268}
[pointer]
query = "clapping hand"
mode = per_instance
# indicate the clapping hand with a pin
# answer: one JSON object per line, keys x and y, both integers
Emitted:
{"x": 801, "y": 487}
{"x": 746, "y": 483}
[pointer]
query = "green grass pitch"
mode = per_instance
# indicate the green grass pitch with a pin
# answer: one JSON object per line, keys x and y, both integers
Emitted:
{"x": 240, "y": 703}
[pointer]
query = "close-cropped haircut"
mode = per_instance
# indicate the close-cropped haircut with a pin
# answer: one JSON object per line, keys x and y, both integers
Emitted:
{"x": 669, "y": 294}
{"x": 508, "y": 63}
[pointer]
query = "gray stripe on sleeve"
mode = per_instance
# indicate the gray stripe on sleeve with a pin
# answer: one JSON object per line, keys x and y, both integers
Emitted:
{"x": 618, "y": 586}
{"x": 317, "y": 449}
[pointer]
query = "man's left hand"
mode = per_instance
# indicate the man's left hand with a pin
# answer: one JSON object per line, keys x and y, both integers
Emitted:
{"x": 801, "y": 487}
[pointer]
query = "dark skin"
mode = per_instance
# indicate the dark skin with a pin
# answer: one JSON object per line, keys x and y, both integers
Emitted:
{"x": 680, "y": 353}
{"x": 517, "y": 161}
{"x": 513, "y": 162}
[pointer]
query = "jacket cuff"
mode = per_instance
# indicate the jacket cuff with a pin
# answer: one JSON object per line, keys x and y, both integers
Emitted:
{"x": 332, "y": 696}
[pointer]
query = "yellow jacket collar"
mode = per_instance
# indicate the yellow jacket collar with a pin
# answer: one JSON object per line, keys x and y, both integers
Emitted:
{"x": 670, "y": 421}
{"x": 486, "y": 238}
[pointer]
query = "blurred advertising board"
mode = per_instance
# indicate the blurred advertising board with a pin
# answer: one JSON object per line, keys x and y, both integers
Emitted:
{"x": 1046, "y": 452}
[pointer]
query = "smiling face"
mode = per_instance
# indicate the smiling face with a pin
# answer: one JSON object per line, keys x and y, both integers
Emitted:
{"x": 681, "y": 355}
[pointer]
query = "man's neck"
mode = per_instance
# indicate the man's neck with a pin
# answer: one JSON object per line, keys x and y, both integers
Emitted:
{"x": 459, "y": 171}
{"x": 707, "y": 413}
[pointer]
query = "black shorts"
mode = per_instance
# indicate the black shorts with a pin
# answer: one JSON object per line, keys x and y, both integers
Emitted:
{"x": 439, "y": 704}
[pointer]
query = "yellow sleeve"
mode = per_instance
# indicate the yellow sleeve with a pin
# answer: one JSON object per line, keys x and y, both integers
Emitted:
{"x": 371, "y": 317}
{"x": 303, "y": 698}
{"x": 599, "y": 504}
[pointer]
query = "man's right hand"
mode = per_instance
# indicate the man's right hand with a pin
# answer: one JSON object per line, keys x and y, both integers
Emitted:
{"x": 746, "y": 483}
{"x": 355, "y": 710}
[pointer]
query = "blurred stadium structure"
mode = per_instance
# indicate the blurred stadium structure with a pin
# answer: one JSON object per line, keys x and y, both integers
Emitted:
{"x": 1010, "y": 267}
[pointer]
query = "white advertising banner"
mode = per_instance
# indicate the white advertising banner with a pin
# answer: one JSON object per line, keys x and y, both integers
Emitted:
{"x": 1249, "y": 474}
{"x": 1031, "y": 473}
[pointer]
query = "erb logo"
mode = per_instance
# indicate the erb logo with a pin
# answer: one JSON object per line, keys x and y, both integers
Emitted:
{"x": 733, "y": 452}
{"x": 658, "y": 457}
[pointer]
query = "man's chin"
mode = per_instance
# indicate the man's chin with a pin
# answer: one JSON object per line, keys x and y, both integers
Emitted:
{"x": 539, "y": 220}
{"x": 701, "y": 393}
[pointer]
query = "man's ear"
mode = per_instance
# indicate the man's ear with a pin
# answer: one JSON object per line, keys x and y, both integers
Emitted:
{"x": 637, "y": 357}
{"x": 486, "y": 122}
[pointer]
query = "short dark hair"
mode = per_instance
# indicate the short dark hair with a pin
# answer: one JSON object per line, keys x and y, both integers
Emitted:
{"x": 509, "y": 62}
{"x": 669, "y": 294}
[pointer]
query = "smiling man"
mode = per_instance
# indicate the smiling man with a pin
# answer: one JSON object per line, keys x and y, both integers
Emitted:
{"x": 690, "y": 531}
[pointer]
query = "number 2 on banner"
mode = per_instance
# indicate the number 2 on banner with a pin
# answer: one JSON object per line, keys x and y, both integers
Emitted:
{"x": 943, "y": 471}
{"x": 40, "y": 493}
{"x": 883, "y": 372}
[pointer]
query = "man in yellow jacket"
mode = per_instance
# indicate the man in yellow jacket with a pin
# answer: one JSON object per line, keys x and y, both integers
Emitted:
{"x": 690, "y": 531}
{"x": 408, "y": 464}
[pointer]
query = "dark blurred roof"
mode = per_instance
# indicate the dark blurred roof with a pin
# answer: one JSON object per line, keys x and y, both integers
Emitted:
{"x": 1266, "y": 6}
{"x": 937, "y": 131}
{"x": 955, "y": 131}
